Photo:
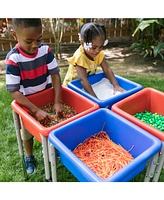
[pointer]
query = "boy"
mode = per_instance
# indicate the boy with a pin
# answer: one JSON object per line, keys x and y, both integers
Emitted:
{"x": 30, "y": 68}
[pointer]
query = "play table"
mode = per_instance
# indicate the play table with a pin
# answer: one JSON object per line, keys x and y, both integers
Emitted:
{"x": 130, "y": 87}
{"x": 79, "y": 103}
{"x": 137, "y": 141}
{"x": 151, "y": 100}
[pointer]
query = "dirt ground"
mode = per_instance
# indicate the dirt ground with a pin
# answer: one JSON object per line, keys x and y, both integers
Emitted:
{"x": 122, "y": 60}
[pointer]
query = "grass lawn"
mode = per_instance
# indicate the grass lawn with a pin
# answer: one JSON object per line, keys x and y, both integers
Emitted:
{"x": 10, "y": 161}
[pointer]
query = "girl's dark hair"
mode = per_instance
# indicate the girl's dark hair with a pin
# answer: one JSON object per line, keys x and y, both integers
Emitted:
{"x": 26, "y": 22}
{"x": 91, "y": 30}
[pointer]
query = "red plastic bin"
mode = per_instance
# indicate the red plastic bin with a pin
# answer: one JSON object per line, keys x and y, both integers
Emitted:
{"x": 148, "y": 99}
{"x": 79, "y": 103}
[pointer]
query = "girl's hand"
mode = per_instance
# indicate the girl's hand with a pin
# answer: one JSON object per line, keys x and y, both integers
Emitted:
{"x": 58, "y": 108}
{"x": 118, "y": 89}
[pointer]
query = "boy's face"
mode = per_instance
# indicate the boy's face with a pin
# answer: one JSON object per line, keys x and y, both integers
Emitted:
{"x": 29, "y": 39}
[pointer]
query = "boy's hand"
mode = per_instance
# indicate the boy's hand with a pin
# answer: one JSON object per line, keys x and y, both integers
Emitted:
{"x": 58, "y": 109}
{"x": 41, "y": 115}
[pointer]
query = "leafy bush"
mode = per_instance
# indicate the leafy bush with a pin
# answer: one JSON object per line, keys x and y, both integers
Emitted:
{"x": 151, "y": 40}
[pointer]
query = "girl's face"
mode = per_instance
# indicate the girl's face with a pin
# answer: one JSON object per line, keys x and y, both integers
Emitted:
{"x": 97, "y": 45}
{"x": 29, "y": 39}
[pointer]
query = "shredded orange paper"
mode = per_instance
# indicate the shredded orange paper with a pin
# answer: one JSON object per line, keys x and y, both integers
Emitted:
{"x": 102, "y": 155}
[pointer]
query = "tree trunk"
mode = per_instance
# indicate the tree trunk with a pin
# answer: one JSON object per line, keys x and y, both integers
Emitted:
{"x": 57, "y": 32}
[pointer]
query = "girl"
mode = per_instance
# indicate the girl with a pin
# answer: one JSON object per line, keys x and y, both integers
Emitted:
{"x": 88, "y": 56}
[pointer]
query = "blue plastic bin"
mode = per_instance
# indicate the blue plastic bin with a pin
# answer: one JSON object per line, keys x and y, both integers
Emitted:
{"x": 130, "y": 87}
{"x": 120, "y": 131}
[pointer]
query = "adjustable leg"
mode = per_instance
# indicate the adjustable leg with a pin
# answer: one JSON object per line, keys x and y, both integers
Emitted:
{"x": 153, "y": 162}
{"x": 46, "y": 158}
{"x": 53, "y": 162}
{"x": 160, "y": 165}
{"x": 19, "y": 140}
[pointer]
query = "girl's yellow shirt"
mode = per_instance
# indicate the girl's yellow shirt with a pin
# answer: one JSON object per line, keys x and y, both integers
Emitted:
{"x": 79, "y": 58}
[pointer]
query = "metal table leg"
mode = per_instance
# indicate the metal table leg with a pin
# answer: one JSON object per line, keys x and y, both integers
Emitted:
{"x": 19, "y": 140}
{"x": 53, "y": 162}
{"x": 160, "y": 165}
{"x": 46, "y": 158}
{"x": 152, "y": 164}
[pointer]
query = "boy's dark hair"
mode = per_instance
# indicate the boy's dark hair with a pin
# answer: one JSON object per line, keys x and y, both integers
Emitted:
{"x": 26, "y": 22}
{"x": 91, "y": 30}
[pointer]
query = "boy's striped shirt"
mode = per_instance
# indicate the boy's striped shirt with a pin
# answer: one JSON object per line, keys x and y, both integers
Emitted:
{"x": 30, "y": 73}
